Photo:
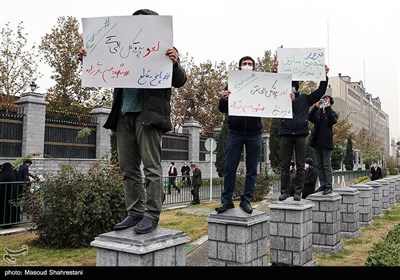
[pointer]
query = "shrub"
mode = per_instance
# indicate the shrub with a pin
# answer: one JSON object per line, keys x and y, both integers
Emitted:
{"x": 361, "y": 179}
{"x": 387, "y": 251}
{"x": 261, "y": 189}
{"x": 70, "y": 209}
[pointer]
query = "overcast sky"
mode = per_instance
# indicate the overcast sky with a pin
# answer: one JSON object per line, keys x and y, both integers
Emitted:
{"x": 361, "y": 38}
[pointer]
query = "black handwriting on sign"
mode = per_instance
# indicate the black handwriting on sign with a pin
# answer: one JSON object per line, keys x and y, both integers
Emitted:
{"x": 152, "y": 79}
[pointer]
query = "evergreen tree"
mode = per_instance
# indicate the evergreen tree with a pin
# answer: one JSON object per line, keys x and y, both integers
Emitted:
{"x": 275, "y": 146}
{"x": 349, "y": 157}
{"x": 219, "y": 162}
{"x": 337, "y": 156}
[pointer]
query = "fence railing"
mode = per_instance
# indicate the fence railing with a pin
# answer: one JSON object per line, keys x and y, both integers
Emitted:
{"x": 10, "y": 212}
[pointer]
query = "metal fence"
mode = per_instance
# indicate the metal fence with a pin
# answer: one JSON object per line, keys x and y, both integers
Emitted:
{"x": 10, "y": 212}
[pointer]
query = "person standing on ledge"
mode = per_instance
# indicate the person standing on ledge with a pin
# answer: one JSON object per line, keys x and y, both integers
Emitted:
{"x": 140, "y": 116}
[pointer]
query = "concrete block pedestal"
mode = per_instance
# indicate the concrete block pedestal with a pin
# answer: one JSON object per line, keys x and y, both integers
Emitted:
{"x": 291, "y": 232}
{"x": 365, "y": 204}
{"x": 236, "y": 238}
{"x": 377, "y": 202}
{"x": 326, "y": 223}
{"x": 161, "y": 247}
{"x": 349, "y": 211}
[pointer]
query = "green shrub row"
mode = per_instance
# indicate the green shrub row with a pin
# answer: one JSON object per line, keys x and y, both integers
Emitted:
{"x": 387, "y": 251}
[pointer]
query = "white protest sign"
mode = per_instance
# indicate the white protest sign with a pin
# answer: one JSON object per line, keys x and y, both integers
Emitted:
{"x": 259, "y": 94}
{"x": 127, "y": 51}
{"x": 304, "y": 64}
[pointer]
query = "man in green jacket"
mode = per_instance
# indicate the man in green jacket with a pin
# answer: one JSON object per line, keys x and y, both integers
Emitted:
{"x": 140, "y": 117}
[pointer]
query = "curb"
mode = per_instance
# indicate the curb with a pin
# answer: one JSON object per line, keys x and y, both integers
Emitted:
{"x": 194, "y": 245}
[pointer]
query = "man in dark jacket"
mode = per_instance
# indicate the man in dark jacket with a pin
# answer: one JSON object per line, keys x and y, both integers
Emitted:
{"x": 140, "y": 117}
{"x": 293, "y": 133}
{"x": 196, "y": 184}
{"x": 376, "y": 172}
{"x": 323, "y": 117}
{"x": 245, "y": 131}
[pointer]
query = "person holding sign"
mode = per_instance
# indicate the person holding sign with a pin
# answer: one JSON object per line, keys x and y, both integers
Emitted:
{"x": 246, "y": 131}
{"x": 293, "y": 133}
{"x": 140, "y": 117}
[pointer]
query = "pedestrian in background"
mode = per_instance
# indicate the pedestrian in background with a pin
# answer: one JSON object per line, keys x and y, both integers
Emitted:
{"x": 376, "y": 172}
{"x": 172, "y": 173}
{"x": 196, "y": 184}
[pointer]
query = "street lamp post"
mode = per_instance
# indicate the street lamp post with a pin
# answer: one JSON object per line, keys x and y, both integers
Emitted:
{"x": 33, "y": 86}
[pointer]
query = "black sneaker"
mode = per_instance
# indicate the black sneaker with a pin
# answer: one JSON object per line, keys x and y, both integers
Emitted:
{"x": 224, "y": 206}
{"x": 246, "y": 207}
{"x": 129, "y": 221}
{"x": 283, "y": 196}
{"x": 320, "y": 189}
{"x": 146, "y": 225}
{"x": 327, "y": 191}
{"x": 296, "y": 197}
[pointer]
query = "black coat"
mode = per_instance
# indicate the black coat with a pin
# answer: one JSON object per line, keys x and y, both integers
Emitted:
{"x": 310, "y": 179}
{"x": 298, "y": 125}
{"x": 322, "y": 132}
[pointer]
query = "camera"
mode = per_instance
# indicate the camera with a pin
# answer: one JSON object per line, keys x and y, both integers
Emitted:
{"x": 323, "y": 103}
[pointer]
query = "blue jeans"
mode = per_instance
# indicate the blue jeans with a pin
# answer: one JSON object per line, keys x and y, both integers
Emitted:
{"x": 234, "y": 148}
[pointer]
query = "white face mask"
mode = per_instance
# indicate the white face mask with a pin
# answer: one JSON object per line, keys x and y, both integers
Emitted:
{"x": 306, "y": 165}
{"x": 247, "y": 68}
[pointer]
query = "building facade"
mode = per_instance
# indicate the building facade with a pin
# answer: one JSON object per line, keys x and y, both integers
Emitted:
{"x": 362, "y": 110}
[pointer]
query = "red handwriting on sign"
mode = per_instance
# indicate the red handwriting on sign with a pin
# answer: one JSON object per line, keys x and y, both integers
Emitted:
{"x": 105, "y": 72}
{"x": 248, "y": 108}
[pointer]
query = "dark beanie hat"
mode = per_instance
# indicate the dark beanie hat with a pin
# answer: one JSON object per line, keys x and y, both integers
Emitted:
{"x": 309, "y": 161}
{"x": 296, "y": 85}
{"x": 145, "y": 12}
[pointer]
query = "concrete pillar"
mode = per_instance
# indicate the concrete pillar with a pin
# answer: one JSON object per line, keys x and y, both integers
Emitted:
{"x": 237, "y": 239}
{"x": 392, "y": 191}
{"x": 397, "y": 187}
{"x": 162, "y": 247}
{"x": 291, "y": 232}
{"x": 385, "y": 194}
{"x": 349, "y": 212}
{"x": 34, "y": 122}
{"x": 364, "y": 204}
{"x": 192, "y": 128}
{"x": 326, "y": 222}
{"x": 377, "y": 201}
{"x": 103, "y": 141}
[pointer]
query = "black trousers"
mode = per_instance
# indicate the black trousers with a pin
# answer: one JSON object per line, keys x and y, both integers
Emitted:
{"x": 293, "y": 146}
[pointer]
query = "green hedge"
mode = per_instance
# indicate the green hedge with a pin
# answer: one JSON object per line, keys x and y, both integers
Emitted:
{"x": 387, "y": 251}
{"x": 71, "y": 209}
